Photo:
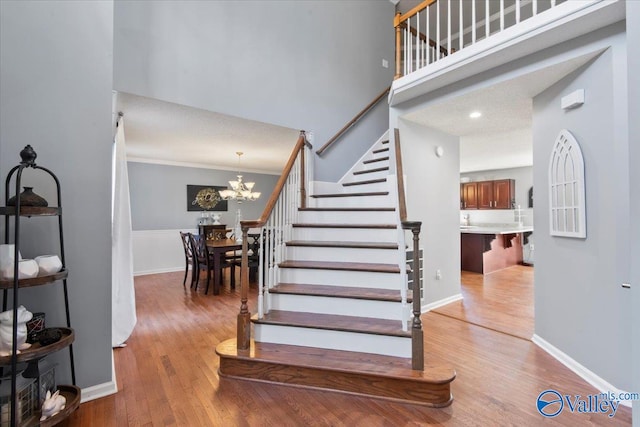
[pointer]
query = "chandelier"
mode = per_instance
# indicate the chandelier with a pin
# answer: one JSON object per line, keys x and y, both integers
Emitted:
{"x": 240, "y": 191}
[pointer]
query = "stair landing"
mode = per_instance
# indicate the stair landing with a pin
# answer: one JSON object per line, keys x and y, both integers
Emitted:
{"x": 363, "y": 374}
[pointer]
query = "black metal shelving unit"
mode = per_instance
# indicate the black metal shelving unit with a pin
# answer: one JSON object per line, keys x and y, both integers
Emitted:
{"x": 17, "y": 212}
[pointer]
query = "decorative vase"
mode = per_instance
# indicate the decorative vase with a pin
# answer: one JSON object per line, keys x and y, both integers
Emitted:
{"x": 216, "y": 218}
{"x": 27, "y": 269}
{"x": 6, "y": 330}
{"x": 7, "y": 253}
{"x": 48, "y": 264}
{"x": 28, "y": 198}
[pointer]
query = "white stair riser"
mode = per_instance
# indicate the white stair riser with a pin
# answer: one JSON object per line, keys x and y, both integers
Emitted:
{"x": 338, "y": 277}
{"x": 336, "y": 340}
{"x": 346, "y": 234}
{"x": 355, "y": 202}
{"x": 338, "y": 306}
{"x": 341, "y": 254}
{"x": 348, "y": 217}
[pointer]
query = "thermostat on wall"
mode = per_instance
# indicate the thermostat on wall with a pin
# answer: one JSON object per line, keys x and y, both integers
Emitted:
{"x": 573, "y": 100}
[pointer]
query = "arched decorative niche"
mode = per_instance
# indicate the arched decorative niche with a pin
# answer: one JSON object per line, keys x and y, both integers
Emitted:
{"x": 567, "y": 208}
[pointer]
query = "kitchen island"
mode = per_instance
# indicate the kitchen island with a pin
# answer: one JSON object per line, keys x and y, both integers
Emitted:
{"x": 491, "y": 247}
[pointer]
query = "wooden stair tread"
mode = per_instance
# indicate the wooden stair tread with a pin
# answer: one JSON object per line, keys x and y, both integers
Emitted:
{"x": 380, "y": 150}
{"x": 353, "y": 292}
{"x": 367, "y": 181}
{"x": 373, "y": 376}
{"x": 339, "y": 360}
{"x": 318, "y": 225}
{"x": 348, "y": 209}
{"x": 363, "y": 194}
{"x": 336, "y": 244}
{"x": 378, "y": 159}
{"x": 333, "y": 322}
{"x": 380, "y": 169}
{"x": 344, "y": 266}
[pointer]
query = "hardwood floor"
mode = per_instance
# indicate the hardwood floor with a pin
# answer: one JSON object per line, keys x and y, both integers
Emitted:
{"x": 167, "y": 375}
{"x": 502, "y": 301}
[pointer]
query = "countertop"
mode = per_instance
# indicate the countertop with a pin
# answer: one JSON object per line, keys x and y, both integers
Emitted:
{"x": 495, "y": 229}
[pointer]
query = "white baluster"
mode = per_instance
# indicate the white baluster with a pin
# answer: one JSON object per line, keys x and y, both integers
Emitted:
{"x": 428, "y": 37}
{"x": 461, "y": 29}
{"x": 449, "y": 41}
{"x": 553, "y": 3}
{"x": 487, "y": 20}
{"x": 437, "y": 30}
{"x": 405, "y": 55}
{"x": 417, "y": 41}
{"x": 501, "y": 15}
{"x": 473, "y": 22}
{"x": 517, "y": 11}
{"x": 535, "y": 7}
{"x": 261, "y": 288}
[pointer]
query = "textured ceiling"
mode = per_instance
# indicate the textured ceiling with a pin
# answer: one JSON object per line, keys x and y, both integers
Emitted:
{"x": 164, "y": 132}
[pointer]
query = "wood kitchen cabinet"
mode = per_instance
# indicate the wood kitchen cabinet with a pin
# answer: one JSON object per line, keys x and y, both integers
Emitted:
{"x": 469, "y": 195}
{"x": 496, "y": 194}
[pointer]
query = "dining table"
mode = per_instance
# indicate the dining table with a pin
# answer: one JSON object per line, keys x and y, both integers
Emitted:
{"x": 217, "y": 249}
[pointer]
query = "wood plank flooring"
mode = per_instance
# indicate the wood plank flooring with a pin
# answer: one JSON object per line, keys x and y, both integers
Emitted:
{"x": 167, "y": 375}
{"x": 502, "y": 300}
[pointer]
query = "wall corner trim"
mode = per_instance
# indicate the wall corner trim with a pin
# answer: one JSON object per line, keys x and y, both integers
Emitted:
{"x": 599, "y": 383}
{"x": 440, "y": 303}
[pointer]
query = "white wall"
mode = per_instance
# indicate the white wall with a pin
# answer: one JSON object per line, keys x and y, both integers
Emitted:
{"x": 55, "y": 85}
{"x": 581, "y": 307}
{"x": 308, "y": 65}
{"x": 432, "y": 193}
{"x": 633, "y": 61}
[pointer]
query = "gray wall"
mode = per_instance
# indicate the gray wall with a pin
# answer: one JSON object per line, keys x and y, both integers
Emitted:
{"x": 159, "y": 195}
{"x": 56, "y": 82}
{"x": 433, "y": 197}
{"x": 308, "y": 65}
{"x": 633, "y": 61}
{"x": 580, "y": 305}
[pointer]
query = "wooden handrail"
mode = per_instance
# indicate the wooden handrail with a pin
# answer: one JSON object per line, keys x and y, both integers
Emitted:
{"x": 244, "y": 317}
{"x": 417, "y": 339}
{"x": 300, "y": 144}
{"x": 353, "y": 121}
{"x": 400, "y": 177}
{"x": 419, "y": 8}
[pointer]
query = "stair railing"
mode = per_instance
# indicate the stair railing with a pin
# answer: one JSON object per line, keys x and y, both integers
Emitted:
{"x": 353, "y": 121}
{"x": 417, "y": 339}
{"x": 276, "y": 228}
{"x": 437, "y": 28}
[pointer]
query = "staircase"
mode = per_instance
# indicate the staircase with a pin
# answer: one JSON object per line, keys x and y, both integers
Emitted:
{"x": 335, "y": 315}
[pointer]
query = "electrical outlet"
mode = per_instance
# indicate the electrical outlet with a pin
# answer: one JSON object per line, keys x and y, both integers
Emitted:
{"x": 438, "y": 275}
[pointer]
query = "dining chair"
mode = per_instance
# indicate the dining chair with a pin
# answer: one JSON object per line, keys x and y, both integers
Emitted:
{"x": 189, "y": 259}
{"x": 205, "y": 261}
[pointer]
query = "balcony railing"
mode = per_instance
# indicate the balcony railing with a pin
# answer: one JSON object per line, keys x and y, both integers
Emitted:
{"x": 436, "y": 29}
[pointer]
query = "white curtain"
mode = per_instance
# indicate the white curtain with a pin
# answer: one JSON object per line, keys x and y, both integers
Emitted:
{"x": 122, "y": 291}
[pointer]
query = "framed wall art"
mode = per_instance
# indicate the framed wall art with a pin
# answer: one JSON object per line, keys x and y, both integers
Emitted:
{"x": 205, "y": 198}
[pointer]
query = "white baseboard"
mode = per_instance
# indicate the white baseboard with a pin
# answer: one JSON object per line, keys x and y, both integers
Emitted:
{"x": 101, "y": 390}
{"x": 599, "y": 383}
{"x": 160, "y": 270}
{"x": 440, "y": 303}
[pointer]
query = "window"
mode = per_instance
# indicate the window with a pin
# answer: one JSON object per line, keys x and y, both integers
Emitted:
{"x": 566, "y": 188}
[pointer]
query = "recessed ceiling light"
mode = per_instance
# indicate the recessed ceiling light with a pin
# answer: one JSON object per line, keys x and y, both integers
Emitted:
{"x": 475, "y": 114}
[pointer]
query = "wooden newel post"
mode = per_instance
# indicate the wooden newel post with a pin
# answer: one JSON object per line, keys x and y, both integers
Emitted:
{"x": 417, "y": 340}
{"x": 244, "y": 317}
{"x": 303, "y": 189}
{"x": 396, "y": 24}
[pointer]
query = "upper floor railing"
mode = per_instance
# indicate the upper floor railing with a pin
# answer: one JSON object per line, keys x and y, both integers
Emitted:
{"x": 436, "y": 29}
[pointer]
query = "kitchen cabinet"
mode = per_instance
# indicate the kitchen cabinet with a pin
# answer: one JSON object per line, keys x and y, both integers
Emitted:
{"x": 496, "y": 194}
{"x": 469, "y": 195}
